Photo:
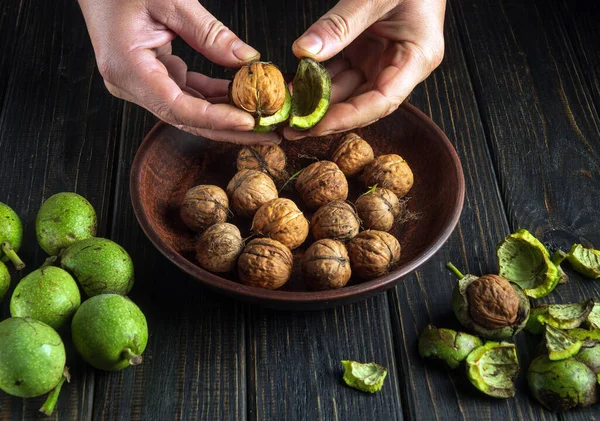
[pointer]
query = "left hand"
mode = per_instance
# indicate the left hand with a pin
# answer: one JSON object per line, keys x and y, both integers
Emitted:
{"x": 389, "y": 47}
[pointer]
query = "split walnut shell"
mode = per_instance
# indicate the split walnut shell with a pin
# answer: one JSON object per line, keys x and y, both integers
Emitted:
{"x": 204, "y": 206}
{"x": 373, "y": 253}
{"x": 326, "y": 265}
{"x": 390, "y": 172}
{"x": 248, "y": 190}
{"x": 265, "y": 263}
{"x": 378, "y": 209}
{"x": 269, "y": 159}
{"x": 281, "y": 220}
{"x": 336, "y": 220}
{"x": 258, "y": 88}
{"x": 321, "y": 183}
{"x": 352, "y": 154}
{"x": 219, "y": 247}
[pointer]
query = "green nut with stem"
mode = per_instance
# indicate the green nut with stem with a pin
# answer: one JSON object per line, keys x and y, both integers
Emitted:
{"x": 11, "y": 236}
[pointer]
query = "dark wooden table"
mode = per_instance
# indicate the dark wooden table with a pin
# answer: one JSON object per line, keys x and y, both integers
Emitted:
{"x": 519, "y": 96}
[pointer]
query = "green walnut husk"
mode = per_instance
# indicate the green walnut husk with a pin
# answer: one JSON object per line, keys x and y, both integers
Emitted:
{"x": 266, "y": 124}
{"x": 589, "y": 354}
{"x": 592, "y": 321}
{"x": 566, "y": 316}
{"x": 311, "y": 94}
{"x": 585, "y": 334}
{"x": 562, "y": 385}
{"x": 585, "y": 260}
{"x": 525, "y": 261}
{"x": 367, "y": 377}
{"x": 447, "y": 345}
{"x": 493, "y": 368}
{"x": 560, "y": 345}
{"x": 463, "y": 312}
{"x": 533, "y": 324}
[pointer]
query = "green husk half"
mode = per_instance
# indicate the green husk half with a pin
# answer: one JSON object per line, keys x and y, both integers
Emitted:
{"x": 312, "y": 92}
{"x": 560, "y": 345}
{"x": 566, "y": 316}
{"x": 367, "y": 377}
{"x": 270, "y": 123}
{"x": 585, "y": 261}
{"x": 447, "y": 345}
{"x": 493, "y": 368}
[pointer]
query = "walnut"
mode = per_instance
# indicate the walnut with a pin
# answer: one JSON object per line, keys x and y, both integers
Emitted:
{"x": 258, "y": 88}
{"x": 218, "y": 248}
{"x": 493, "y": 303}
{"x": 320, "y": 183}
{"x": 326, "y": 265}
{"x": 336, "y": 220}
{"x": 373, "y": 253}
{"x": 265, "y": 263}
{"x": 269, "y": 159}
{"x": 390, "y": 172}
{"x": 248, "y": 190}
{"x": 203, "y": 206}
{"x": 378, "y": 209}
{"x": 352, "y": 154}
{"x": 281, "y": 220}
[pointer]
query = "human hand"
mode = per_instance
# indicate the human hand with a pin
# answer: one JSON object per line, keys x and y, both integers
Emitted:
{"x": 389, "y": 47}
{"x": 132, "y": 43}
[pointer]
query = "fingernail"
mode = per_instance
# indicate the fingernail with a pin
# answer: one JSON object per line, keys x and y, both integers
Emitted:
{"x": 243, "y": 52}
{"x": 310, "y": 43}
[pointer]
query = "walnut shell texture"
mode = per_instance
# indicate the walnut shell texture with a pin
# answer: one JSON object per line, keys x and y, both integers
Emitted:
{"x": 391, "y": 172}
{"x": 203, "y": 206}
{"x": 378, "y": 209}
{"x": 269, "y": 159}
{"x": 281, "y": 220}
{"x": 320, "y": 183}
{"x": 336, "y": 220}
{"x": 493, "y": 303}
{"x": 248, "y": 190}
{"x": 352, "y": 154}
{"x": 258, "y": 88}
{"x": 265, "y": 263}
{"x": 373, "y": 253}
{"x": 219, "y": 247}
{"x": 326, "y": 265}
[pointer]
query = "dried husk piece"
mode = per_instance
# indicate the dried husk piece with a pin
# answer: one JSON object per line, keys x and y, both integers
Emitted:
{"x": 321, "y": 183}
{"x": 248, "y": 190}
{"x": 352, "y": 154}
{"x": 378, "y": 209}
{"x": 265, "y": 263}
{"x": 373, "y": 253}
{"x": 281, "y": 220}
{"x": 336, "y": 220}
{"x": 326, "y": 265}
{"x": 391, "y": 172}
{"x": 203, "y": 206}
{"x": 269, "y": 159}
{"x": 219, "y": 247}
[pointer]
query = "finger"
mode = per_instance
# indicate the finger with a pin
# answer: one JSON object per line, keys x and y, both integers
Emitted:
{"x": 176, "y": 67}
{"x": 345, "y": 84}
{"x": 240, "y": 138}
{"x": 337, "y": 66}
{"x": 339, "y": 27}
{"x": 203, "y": 32}
{"x": 208, "y": 86}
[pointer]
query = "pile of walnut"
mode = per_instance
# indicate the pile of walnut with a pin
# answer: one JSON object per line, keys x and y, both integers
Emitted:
{"x": 279, "y": 226}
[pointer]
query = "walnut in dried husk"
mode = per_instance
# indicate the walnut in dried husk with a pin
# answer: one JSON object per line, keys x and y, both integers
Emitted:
{"x": 373, "y": 253}
{"x": 326, "y": 265}
{"x": 390, "y": 172}
{"x": 281, "y": 220}
{"x": 265, "y": 263}
{"x": 320, "y": 183}
{"x": 219, "y": 247}
{"x": 336, "y": 220}
{"x": 258, "y": 88}
{"x": 248, "y": 190}
{"x": 203, "y": 206}
{"x": 269, "y": 159}
{"x": 352, "y": 154}
{"x": 378, "y": 209}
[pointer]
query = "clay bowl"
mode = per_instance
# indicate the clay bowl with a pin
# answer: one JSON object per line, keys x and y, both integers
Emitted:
{"x": 170, "y": 161}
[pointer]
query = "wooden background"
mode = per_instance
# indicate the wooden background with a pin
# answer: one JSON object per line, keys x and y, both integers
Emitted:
{"x": 518, "y": 94}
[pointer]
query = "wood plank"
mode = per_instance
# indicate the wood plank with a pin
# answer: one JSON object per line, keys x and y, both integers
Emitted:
{"x": 541, "y": 125}
{"x": 10, "y": 27}
{"x": 431, "y": 392}
{"x": 58, "y": 132}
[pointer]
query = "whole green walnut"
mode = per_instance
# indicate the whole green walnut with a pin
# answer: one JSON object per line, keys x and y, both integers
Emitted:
{"x": 11, "y": 236}
{"x": 447, "y": 345}
{"x": 4, "y": 280}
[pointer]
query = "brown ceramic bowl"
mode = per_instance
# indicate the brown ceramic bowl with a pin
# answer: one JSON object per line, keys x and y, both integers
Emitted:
{"x": 169, "y": 162}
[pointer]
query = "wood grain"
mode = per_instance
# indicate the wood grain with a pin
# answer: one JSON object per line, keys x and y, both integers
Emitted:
{"x": 58, "y": 132}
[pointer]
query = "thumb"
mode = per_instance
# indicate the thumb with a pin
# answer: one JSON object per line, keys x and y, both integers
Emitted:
{"x": 337, "y": 28}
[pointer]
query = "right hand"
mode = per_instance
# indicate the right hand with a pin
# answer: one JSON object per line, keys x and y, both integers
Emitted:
{"x": 132, "y": 43}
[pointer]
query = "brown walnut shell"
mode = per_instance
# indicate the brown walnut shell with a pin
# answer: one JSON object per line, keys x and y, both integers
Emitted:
{"x": 258, "y": 88}
{"x": 219, "y": 247}
{"x": 391, "y": 172}
{"x": 373, "y": 253}
{"x": 378, "y": 209}
{"x": 281, "y": 220}
{"x": 203, "y": 206}
{"x": 352, "y": 154}
{"x": 248, "y": 190}
{"x": 493, "y": 303}
{"x": 321, "y": 183}
{"x": 269, "y": 159}
{"x": 265, "y": 263}
{"x": 326, "y": 265}
{"x": 336, "y": 220}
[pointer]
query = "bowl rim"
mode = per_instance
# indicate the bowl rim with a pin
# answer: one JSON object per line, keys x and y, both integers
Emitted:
{"x": 366, "y": 288}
